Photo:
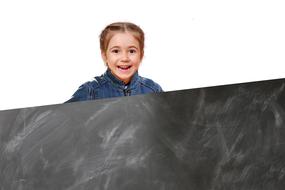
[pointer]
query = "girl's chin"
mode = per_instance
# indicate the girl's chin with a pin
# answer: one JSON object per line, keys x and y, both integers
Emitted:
{"x": 123, "y": 76}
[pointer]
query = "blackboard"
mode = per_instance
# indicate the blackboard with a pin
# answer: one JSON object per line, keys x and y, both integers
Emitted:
{"x": 213, "y": 138}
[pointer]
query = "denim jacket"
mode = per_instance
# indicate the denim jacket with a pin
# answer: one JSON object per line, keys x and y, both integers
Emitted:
{"x": 107, "y": 86}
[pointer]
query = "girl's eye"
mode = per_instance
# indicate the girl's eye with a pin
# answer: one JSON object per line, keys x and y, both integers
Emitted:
{"x": 115, "y": 51}
{"x": 133, "y": 51}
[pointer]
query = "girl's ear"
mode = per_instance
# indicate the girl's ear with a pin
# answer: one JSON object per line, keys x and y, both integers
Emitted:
{"x": 142, "y": 54}
{"x": 104, "y": 57}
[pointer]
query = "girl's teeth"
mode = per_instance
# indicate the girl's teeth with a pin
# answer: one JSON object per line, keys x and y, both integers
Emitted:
{"x": 124, "y": 67}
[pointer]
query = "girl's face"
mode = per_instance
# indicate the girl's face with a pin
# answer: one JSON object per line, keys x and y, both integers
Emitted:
{"x": 123, "y": 56}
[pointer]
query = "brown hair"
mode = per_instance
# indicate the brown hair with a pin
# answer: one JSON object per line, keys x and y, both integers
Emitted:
{"x": 110, "y": 30}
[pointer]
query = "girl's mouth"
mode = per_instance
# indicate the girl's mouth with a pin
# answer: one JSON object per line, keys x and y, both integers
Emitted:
{"x": 124, "y": 67}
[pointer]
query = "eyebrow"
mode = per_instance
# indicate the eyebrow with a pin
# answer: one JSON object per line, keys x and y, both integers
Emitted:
{"x": 120, "y": 47}
{"x": 133, "y": 47}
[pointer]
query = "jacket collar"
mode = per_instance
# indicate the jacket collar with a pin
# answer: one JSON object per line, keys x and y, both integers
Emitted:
{"x": 120, "y": 84}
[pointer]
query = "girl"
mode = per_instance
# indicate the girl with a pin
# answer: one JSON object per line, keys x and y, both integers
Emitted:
{"x": 122, "y": 50}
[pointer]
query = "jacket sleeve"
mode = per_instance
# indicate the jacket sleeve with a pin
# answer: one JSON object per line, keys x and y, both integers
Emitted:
{"x": 159, "y": 89}
{"x": 83, "y": 93}
{"x": 156, "y": 86}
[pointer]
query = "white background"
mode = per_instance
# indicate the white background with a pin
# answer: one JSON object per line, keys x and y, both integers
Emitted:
{"x": 49, "y": 47}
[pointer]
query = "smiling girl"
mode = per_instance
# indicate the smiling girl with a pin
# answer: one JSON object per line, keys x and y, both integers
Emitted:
{"x": 122, "y": 50}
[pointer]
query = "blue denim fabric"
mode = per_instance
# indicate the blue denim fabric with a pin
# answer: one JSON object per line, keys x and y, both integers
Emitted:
{"x": 108, "y": 86}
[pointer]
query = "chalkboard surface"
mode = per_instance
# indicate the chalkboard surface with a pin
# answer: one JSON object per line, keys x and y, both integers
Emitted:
{"x": 215, "y": 138}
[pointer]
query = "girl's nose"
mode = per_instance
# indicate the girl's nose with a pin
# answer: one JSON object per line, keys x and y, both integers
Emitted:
{"x": 125, "y": 56}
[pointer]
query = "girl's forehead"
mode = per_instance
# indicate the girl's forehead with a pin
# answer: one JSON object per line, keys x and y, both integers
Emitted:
{"x": 123, "y": 38}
